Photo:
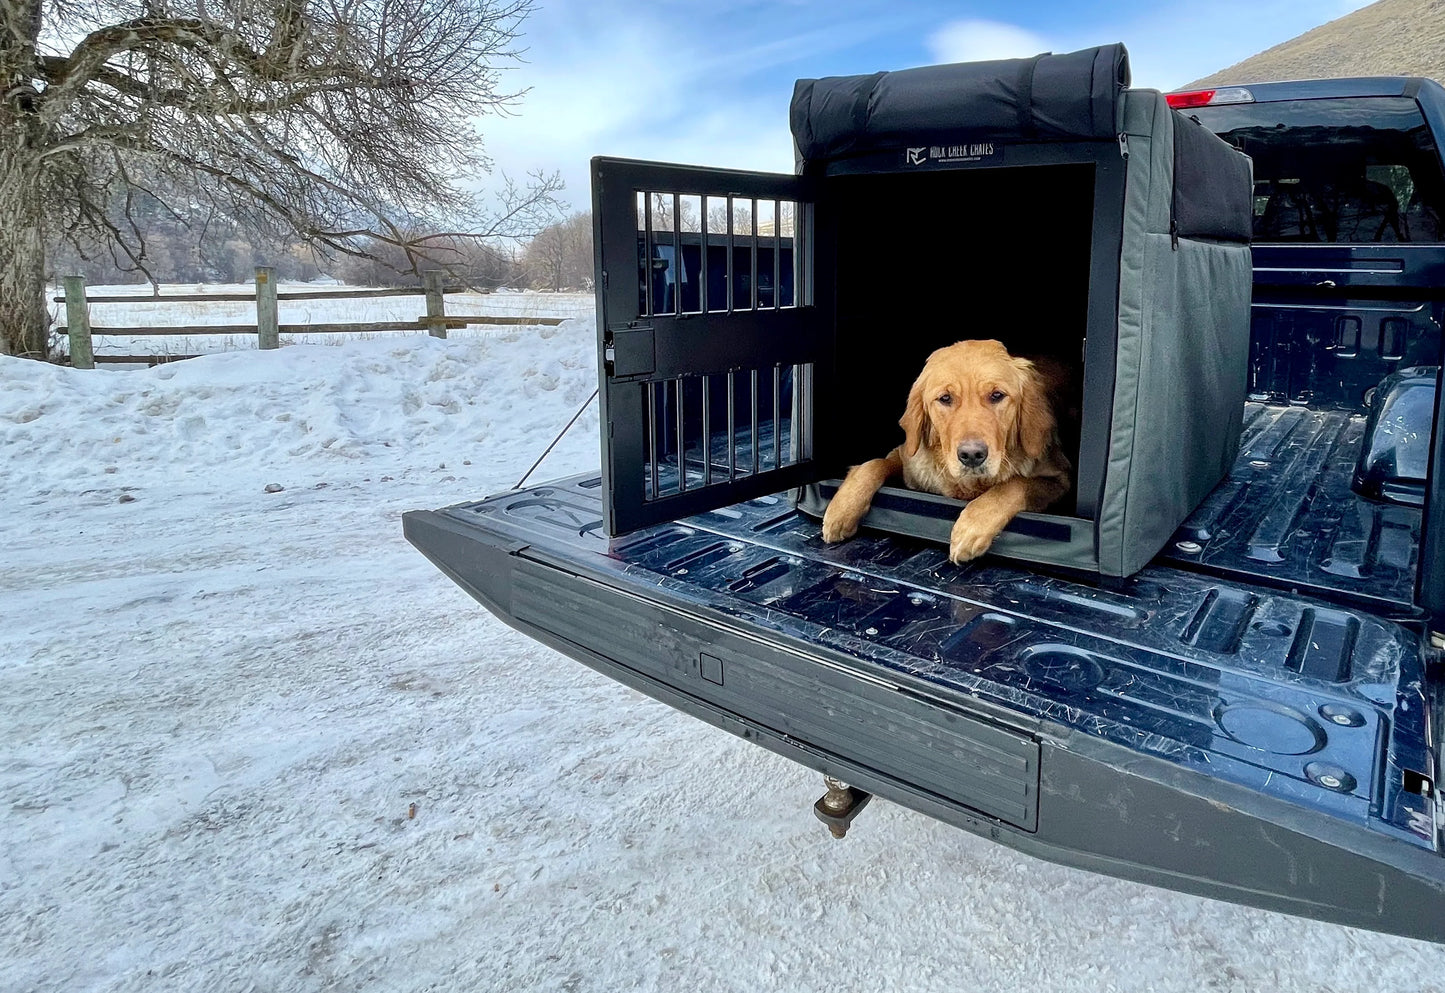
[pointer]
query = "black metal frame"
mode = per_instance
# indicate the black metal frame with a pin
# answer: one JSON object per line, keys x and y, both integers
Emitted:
{"x": 640, "y": 349}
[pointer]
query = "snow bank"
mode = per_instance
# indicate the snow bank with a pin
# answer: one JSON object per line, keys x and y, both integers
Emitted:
{"x": 254, "y": 741}
{"x": 306, "y": 408}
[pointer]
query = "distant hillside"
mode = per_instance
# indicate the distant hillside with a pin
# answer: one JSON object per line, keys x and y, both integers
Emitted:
{"x": 1389, "y": 38}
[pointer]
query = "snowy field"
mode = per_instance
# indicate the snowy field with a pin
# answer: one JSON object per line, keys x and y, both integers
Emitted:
{"x": 253, "y": 741}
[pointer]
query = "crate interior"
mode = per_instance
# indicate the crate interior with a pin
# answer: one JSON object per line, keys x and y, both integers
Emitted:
{"x": 926, "y": 259}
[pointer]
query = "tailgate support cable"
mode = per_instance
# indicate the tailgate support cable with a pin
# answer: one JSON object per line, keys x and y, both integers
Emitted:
{"x": 573, "y": 421}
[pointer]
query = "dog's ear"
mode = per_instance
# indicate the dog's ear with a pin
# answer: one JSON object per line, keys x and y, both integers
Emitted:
{"x": 917, "y": 428}
{"x": 1034, "y": 426}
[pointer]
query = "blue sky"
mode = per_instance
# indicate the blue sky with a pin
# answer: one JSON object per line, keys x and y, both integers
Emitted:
{"x": 709, "y": 83}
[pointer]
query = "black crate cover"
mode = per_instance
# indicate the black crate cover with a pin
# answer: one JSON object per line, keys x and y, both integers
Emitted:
{"x": 1181, "y": 334}
{"x": 1048, "y": 97}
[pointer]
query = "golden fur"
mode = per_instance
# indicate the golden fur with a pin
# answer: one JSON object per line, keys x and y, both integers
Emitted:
{"x": 968, "y": 395}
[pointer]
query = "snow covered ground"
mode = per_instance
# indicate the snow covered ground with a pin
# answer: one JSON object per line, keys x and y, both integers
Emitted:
{"x": 218, "y": 706}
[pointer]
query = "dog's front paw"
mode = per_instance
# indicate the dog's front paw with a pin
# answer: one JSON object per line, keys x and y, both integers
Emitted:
{"x": 839, "y": 523}
{"x": 970, "y": 538}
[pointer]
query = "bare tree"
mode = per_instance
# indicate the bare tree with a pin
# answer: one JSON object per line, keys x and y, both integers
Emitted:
{"x": 335, "y": 121}
{"x": 545, "y": 258}
{"x": 560, "y": 257}
{"x": 662, "y": 205}
{"x": 717, "y": 216}
{"x": 481, "y": 265}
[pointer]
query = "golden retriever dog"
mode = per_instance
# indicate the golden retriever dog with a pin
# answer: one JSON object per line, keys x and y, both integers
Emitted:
{"x": 979, "y": 426}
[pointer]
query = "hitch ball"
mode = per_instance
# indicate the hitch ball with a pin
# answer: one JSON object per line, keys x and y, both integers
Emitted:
{"x": 840, "y": 805}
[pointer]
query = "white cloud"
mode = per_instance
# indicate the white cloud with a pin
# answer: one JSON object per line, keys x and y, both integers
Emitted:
{"x": 638, "y": 88}
{"x": 980, "y": 41}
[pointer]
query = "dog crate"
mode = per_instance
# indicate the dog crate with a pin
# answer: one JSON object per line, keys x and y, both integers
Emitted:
{"x": 760, "y": 333}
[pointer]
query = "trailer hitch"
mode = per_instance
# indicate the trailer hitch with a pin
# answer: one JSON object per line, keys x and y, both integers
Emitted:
{"x": 840, "y": 805}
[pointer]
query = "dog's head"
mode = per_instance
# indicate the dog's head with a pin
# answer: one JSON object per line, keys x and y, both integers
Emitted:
{"x": 982, "y": 410}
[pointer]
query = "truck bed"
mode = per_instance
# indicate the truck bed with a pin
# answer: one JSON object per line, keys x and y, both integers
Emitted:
{"x": 1286, "y": 516}
{"x": 1237, "y": 720}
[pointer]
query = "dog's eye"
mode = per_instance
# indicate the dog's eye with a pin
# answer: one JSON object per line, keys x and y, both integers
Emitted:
{"x": 946, "y": 399}
{"x": 997, "y": 396}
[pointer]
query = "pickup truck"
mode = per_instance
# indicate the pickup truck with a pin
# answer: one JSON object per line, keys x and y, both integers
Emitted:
{"x": 1253, "y": 716}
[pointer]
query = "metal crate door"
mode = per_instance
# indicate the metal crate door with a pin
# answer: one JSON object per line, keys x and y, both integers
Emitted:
{"x": 710, "y": 339}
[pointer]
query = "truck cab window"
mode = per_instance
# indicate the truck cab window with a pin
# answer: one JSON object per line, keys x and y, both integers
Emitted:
{"x": 1360, "y": 169}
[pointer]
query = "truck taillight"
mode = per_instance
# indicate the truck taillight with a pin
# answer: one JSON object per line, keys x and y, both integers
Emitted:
{"x": 1209, "y": 98}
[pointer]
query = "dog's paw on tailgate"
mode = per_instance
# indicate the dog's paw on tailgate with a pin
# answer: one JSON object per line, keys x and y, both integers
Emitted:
{"x": 839, "y": 524}
{"x": 970, "y": 538}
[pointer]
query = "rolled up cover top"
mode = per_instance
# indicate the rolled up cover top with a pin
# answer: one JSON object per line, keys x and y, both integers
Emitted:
{"x": 1078, "y": 95}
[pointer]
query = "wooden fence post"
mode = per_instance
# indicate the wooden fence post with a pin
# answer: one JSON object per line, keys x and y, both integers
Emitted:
{"x": 267, "y": 331}
{"x": 77, "y": 322}
{"x": 435, "y": 302}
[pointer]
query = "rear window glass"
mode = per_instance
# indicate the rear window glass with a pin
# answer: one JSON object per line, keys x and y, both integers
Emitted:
{"x": 1361, "y": 169}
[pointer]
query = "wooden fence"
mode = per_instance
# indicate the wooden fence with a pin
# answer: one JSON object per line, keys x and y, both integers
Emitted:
{"x": 267, "y": 328}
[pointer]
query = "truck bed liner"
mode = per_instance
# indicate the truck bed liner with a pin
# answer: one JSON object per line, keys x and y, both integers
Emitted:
{"x": 1286, "y": 516}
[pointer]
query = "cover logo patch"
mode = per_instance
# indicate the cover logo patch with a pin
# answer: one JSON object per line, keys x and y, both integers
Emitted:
{"x": 947, "y": 154}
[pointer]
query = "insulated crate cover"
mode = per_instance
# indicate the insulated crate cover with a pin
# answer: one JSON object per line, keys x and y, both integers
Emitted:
{"x": 1180, "y": 338}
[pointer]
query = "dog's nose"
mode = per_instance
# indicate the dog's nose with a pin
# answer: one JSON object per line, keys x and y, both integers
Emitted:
{"x": 972, "y": 453}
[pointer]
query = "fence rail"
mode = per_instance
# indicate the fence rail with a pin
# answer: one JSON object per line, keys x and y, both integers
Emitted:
{"x": 150, "y": 360}
{"x": 358, "y": 294}
{"x": 267, "y": 327}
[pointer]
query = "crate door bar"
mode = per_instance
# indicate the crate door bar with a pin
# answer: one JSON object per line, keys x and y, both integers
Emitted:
{"x": 681, "y": 442}
{"x": 803, "y": 261}
{"x": 677, "y": 266}
{"x": 777, "y": 416}
{"x": 704, "y": 272}
{"x": 795, "y": 424}
{"x": 777, "y": 254}
{"x": 647, "y": 256}
{"x": 732, "y": 250}
{"x": 795, "y": 417}
{"x": 706, "y": 431}
{"x": 753, "y": 256}
{"x": 803, "y": 412}
{"x": 732, "y": 431}
{"x": 652, "y": 438}
{"x": 753, "y": 406}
